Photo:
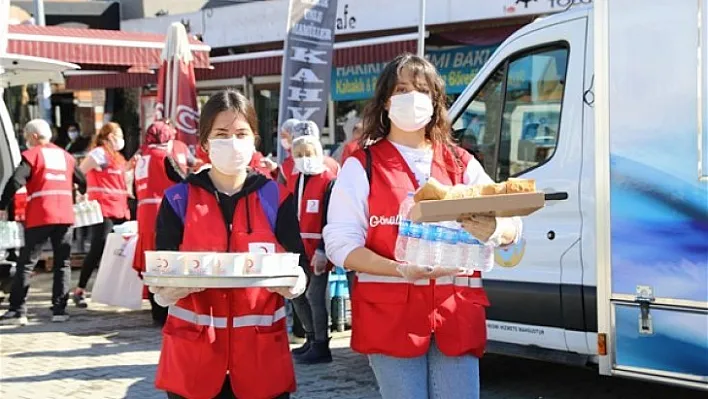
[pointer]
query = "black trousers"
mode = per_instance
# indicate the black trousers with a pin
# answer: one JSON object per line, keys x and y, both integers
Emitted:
{"x": 159, "y": 314}
{"x": 226, "y": 393}
{"x": 99, "y": 232}
{"x": 60, "y": 237}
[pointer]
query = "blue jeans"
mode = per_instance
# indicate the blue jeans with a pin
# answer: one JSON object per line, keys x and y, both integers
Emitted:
{"x": 431, "y": 376}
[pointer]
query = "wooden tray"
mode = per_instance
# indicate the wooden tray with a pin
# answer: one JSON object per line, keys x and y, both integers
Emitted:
{"x": 220, "y": 281}
{"x": 503, "y": 205}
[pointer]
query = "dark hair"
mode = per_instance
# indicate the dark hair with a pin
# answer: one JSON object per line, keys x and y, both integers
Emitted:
{"x": 376, "y": 124}
{"x": 226, "y": 100}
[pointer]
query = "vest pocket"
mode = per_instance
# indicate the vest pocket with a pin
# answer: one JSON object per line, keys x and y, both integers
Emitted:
{"x": 383, "y": 293}
{"x": 254, "y": 357}
{"x": 178, "y": 328}
{"x": 471, "y": 323}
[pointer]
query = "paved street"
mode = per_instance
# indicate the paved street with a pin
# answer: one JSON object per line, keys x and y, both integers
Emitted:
{"x": 106, "y": 353}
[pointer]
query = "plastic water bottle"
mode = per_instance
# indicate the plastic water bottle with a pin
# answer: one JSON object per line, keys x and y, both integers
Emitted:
{"x": 485, "y": 257}
{"x": 469, "y": 250}
{"x": 426, "y": 247}
{"x": 413, "y": 245}
{"x": 404, "y": 231}
{"x": 448, "y": 249}
{"x": 405, "y": 209}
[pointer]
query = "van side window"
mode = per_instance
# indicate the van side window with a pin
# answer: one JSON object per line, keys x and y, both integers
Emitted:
{"x": 532, "y": 111}
{"x": 477, "y": 129}
{"x": 511, "y": 125}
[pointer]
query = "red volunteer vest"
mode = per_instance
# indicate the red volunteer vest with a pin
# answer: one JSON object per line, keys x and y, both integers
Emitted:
{"x": 289, "y": 172}
{"x": 107, "y": 186}
{"x": 180, "y": 153}
{"x": 241, "y": 331}
{"x": 50, "y": 189}
{"x": 349, "y": 149}
{"x": 312, "y": 209}
{"x": 256, "y": 165}
{"x": 392, "y": 316}
{"x": 151, "y": 181}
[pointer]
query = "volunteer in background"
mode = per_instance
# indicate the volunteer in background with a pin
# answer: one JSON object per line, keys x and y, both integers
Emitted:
{"x": 311, "y": 187}
{"x": 49, "y": 174}
{"x": 287, "y": 134}
{"x": 352, "y": 131}
{"x": 105, "y": 170}
{"x": 227, "y": 342}
{"x": 423, "y": 329}
{"x": 156, "y": 171}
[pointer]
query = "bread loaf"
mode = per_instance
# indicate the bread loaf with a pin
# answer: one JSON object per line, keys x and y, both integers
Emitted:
{"x": 493, "y": 189}
{"x": 430, "y": 191}
{"x": 460, "y": 191}
{"x": 516, "y": 186}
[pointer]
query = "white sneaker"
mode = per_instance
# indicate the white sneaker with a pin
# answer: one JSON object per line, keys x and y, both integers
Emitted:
{"x": 13, "y": 318}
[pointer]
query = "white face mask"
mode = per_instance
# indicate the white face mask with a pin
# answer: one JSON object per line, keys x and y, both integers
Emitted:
{"x": 411, "y": 112}
{"x": 309, "y": 165}
{"x": 231, "y": 156}
{"x": 118, "y": 144}
{"x": 73, "y": 134}
{"x": 285, "y": 143}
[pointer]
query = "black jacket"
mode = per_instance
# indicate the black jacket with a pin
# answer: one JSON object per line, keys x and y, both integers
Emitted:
{"x": 169, "y": 228}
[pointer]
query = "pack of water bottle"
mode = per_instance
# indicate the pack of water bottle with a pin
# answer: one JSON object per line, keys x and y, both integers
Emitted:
{"x": 11, "y": 235}
{"x": 443, "y": 244}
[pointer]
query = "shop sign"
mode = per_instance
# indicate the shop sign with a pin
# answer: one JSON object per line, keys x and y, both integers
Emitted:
{"x": 457, "y": 66}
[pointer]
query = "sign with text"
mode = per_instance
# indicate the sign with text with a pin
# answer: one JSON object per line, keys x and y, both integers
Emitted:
{"x": 457, "y": 66}
{"x": 307, "y": 62}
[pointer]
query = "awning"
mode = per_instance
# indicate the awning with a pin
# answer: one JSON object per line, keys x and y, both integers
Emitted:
{"x": 264, "y": 63}
{"x": 381, "y": 49}
{"x": 96, "y": 49}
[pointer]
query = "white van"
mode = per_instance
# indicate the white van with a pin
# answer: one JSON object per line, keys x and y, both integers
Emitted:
{"x": 16, "y": 70}
{"x": 608, "y": 104}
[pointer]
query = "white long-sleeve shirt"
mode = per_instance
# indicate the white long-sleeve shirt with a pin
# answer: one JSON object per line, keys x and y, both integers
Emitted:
{"x": 348, "y": 213}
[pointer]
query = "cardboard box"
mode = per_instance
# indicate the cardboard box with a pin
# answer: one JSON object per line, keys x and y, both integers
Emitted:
{"x": 504, "y": 205}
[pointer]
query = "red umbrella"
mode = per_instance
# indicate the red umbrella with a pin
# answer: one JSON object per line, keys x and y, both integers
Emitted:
{"x": 176, "y": 86}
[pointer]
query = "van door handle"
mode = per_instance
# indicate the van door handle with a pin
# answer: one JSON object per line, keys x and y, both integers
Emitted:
{"x": 557, "y": 196}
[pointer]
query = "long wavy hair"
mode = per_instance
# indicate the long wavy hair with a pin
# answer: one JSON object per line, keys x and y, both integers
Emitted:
{"x": 375, "y": 117}
{"x": 102, "y": 139}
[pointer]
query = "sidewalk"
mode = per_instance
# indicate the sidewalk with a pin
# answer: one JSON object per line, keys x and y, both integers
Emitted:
{"x": 103, "y": 352}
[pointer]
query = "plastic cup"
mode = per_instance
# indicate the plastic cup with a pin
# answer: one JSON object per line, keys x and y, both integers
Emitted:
{"x": 165, "y": 263}
{"x": 199, "y": 263}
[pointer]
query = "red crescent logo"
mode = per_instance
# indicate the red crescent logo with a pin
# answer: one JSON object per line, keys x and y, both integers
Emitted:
{"x": 163, "y": 264}
{"x": 249, "y": 265}
{"x": 196, "y": 264}
{"x": 264, "y": 248}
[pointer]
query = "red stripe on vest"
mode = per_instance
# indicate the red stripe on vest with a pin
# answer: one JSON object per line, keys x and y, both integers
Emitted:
{"x": 50, "y": 190}
{"x": 239, "y": 330}
{"x": 397, "y": 318}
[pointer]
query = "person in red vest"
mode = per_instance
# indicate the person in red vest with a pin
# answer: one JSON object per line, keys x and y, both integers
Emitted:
{"x": 157, "y": 169}
{"x": 311, "y": 187}
{"x": 287, "y": 134}
{"x": 228, "y": 343}
{"x": 49, "y": 174}
{"x": 423, "y": 328}
{"x": 105, "y": 170}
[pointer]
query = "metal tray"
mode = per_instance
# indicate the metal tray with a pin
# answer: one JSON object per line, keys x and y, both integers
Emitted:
{"x": 220, "y": 281}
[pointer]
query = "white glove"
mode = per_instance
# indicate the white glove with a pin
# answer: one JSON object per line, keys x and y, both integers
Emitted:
{"x": 414, "y": 272}
{"x": 168, "y": 296}
{"x": 319, "y": 262}
{"x": 295, "y": 291}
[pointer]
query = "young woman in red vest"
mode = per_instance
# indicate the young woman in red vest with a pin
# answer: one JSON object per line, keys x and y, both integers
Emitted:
{"x": 422, "y": 328}
{"x": 105, "y": 170}
{"x": 227, "y": 343}
{"x": 311, "y": 188}
{"x": 288, "y": 132}
{"x": 48, "y": 173}
{"x": 157, "y": 169}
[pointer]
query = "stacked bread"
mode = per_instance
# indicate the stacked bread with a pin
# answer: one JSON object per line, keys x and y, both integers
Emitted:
{"x": 433, "y": 190}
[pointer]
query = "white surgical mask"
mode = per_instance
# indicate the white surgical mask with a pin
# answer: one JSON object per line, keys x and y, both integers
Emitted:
{"x": 73, "y": 134}
{"x": 411, "y": 111}
{"x": 118, "y": 144}
{"x": 286, "y": 144}
{"x": 309, "y": 165}
{"x": 231, "y": 156}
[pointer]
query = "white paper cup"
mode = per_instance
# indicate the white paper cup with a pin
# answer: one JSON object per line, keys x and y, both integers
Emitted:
{"x": 166, "y": 263}
{"x": 291, "y": 261}
{"x": 228, "y": 264}
{"x": 199, "y": 263}
{"x": 272, "y": 264}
